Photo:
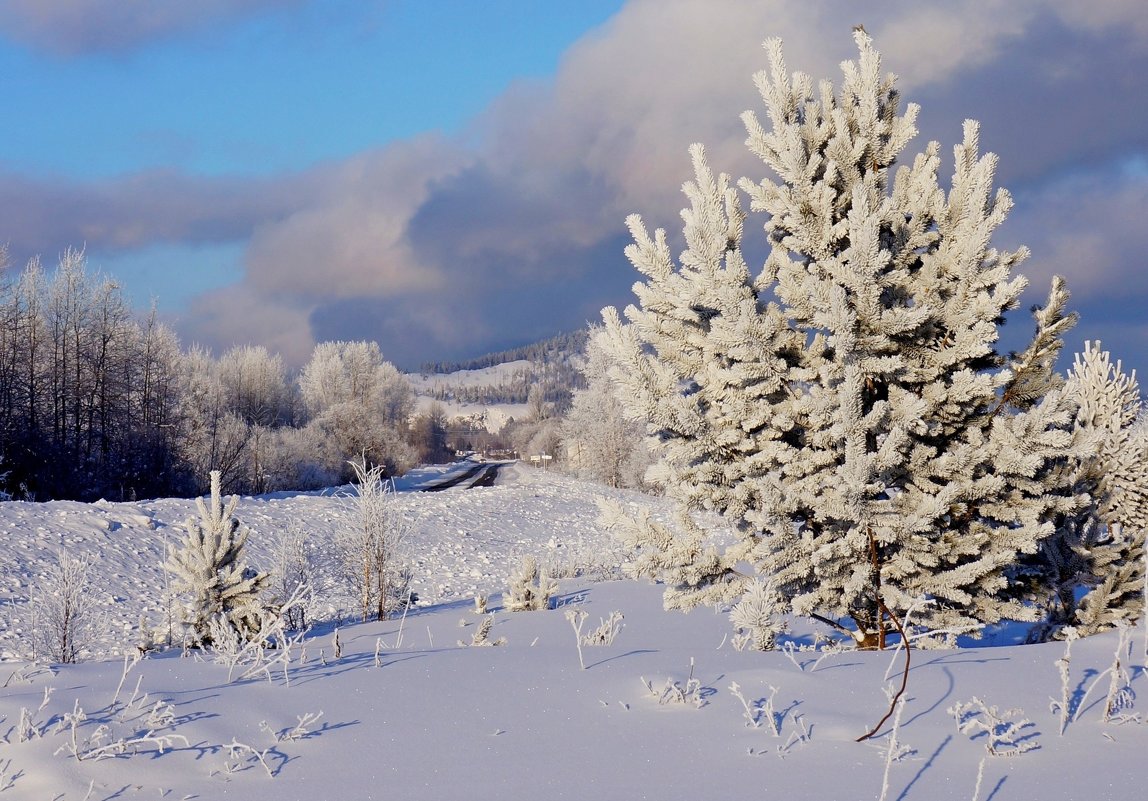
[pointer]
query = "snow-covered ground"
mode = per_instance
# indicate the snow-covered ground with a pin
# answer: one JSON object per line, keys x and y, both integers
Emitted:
{"x": 409, "y": 713}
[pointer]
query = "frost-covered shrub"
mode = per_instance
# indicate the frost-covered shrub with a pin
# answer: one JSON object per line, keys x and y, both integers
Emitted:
{"x": 529, "y": 589}
{"x": 63, "y": 615}
{"x": 292, "y": 568}
{"x": 370, "y": 553}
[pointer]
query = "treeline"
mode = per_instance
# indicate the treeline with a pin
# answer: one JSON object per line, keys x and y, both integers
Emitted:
{"x": 97, "y": 403}
{"x": 557, "y": 349}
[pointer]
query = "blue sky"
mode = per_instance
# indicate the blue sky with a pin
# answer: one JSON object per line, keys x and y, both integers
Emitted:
{"x": 452, "y": 177}
{"x": 279, "y": 90}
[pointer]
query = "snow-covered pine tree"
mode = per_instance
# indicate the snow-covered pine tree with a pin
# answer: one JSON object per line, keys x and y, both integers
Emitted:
{"x": 860, "y": 430}
{"x": 1101, "y": 548}
{"x": 209, "y": 569}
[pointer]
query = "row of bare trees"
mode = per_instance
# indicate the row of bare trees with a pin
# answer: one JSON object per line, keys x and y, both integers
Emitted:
{"x": 96, "y": 402}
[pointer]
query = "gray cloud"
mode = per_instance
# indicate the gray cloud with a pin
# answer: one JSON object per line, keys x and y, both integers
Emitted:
{"x": 43, "y": 216}
{"x": 73, "y": 27}
{"x": 441, "y": 249}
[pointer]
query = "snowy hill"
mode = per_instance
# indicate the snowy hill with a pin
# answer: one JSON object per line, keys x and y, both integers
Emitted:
{"x": 492, "y": 389}
{"x": 452, "y": 390}
{"x": 409, "y": 713}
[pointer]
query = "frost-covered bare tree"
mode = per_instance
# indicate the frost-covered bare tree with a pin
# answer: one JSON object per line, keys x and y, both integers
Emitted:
{"x": 292, "y": 574}
{"x": 213, "y": 437}
{"x": 429, "y": 433}
{"x": 254, "y": 385}
{"x": 370, "y": 553}
{"x": 601, "y": 444}
{"x": 63, "y": 616}
{"x": 846, "y": 408}
{"x": 209, "y": 570}
{"x": 87, "y": 405}
{"x": 360, "y": 402}
{"x": 236, "y": 410}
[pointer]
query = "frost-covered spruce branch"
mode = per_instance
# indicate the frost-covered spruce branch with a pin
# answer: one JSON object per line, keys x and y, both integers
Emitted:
{"x": 1101, "y": 548}
{"x": 755, "y": 617}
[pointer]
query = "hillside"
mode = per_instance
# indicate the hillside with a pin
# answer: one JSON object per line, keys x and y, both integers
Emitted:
{"x": 490, "y": 390}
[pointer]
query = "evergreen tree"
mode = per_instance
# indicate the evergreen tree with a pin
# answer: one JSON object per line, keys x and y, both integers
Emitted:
{"x": 1102, "y": 547}
{"x": 860, "y": 429}
{"x": 209, "y": 569}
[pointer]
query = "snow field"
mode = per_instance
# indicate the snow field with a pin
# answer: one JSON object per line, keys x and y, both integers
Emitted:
{"x": 408, "y": 713}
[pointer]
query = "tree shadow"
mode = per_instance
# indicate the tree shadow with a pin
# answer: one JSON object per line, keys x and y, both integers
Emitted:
{"x": 636, "y": 652}
{"x": 952, "y": 683}
{"x": 996, "y": 788}
{"x": 928, "y": 764}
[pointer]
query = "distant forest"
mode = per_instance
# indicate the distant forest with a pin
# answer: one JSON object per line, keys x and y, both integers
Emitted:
{"x": 556, "y": 349}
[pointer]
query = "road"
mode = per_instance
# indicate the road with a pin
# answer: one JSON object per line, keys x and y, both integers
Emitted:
{"x": 481, "y": 475}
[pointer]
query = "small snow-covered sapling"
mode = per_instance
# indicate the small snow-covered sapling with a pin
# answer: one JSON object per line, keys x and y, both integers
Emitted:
{"x": 480, "y": 636}
{"x": 530, "y": 589}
